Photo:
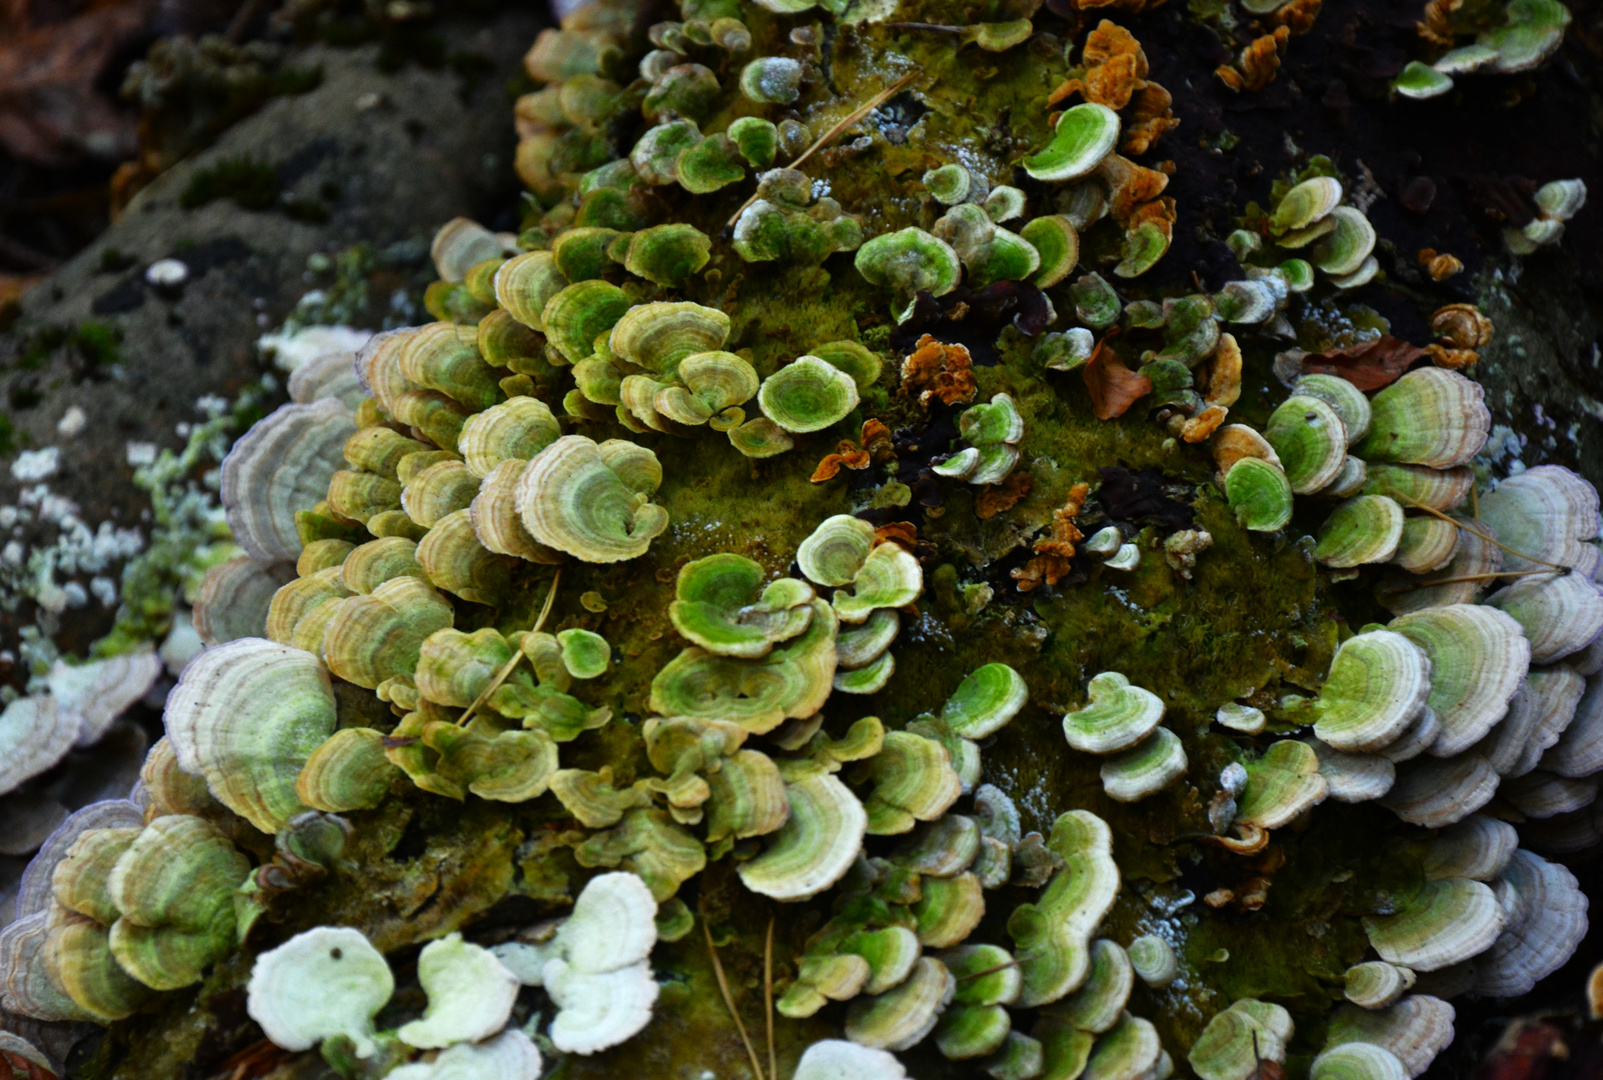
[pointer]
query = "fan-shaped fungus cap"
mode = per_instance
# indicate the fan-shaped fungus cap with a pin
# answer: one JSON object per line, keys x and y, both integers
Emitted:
{"x": 575, "y": 316}
{"x": 1130, "y": 1049}
{"x": 1281, "y": 784}
{"x": 1546, "y": 513}
{"x": 1558, "y": 699}
{"x": 1349, "y": 402}
{"x": 373, "y": 638}
{"x": 836, "y": 1059}
{"x": 283, "y": 464}
{"x": 1099, "y": 1002}
{"x": 835, "y": 551}
{"x": 1440, "y": 791}
{"x": 175, "y": 887}
{"x": 1351, "y": 778}
{"x": 327, "y": 981}
{"x": 909, "y": 261}
{"x": 1357, "y": 1061}
{"x": 1443, "y": 923}
{"x": 247, "y": 715}
{"x": 591, "y": 500}
{"x": 1306, "y": 203}
{"x": 914, "y": 781}
{"x": 1053, "y": 935}
{"x": 470, "y": 994}
{"x": 902, "y": 1016}
{"x": 1415, "y": 1029}
{"x": 1560, "y": 615}
{"x": 986, "y": 699}
{"x": 1478, "y": 656}
{"x": 1377, "y": 984}
{"x": 668, "y": 254}
{"x": 1310, "y": 440}
{"x": 525, "y": 283}
{"x": 1145, "y": 768}
{"x": 236, "y": 595}
{"x": 1117, "y": 717}
{"x": 719, "y": 606}
{"x": 1259, "y": 493}
{"x": 1153, "y": 959}
{"x": 1378, "y": 683}
{"x": 1431, "y": 416}
{"x": 807, "y": 394}
{"x": 519, "y": 428}
{"x": 950, "y": 184}
{"x": 77, "y": 957}
{"x": 1478, "y": 848}
{"x": 1237, "y": 1038}
{"x": 1084, "y": 135}
{"x": 815, "y": 847}
{"x": 1545, "y": 926}
{"x": 35, "y": 734}
{"x": 889, "y": 578}
{"x": 1362, "y": 530}
{"x": 348, "y": 772}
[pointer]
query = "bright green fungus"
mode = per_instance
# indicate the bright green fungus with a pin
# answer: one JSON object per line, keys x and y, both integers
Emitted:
{"x": 1074, "y": 627}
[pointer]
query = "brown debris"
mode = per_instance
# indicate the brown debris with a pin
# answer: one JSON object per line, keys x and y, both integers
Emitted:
{"x": 876, "y": 439}
{"x": 1130, "y": 187}
{"x": 1526, "y": 1051}
{"x": 1368, "y": 366}
{"x": 1442, "y": 356}
{"x": 993, "y": 499}
{"x": 1297, "y": 16}
{"x": 848, "y": 455}
{"x": 1461, "y": 326}
{"x": 1256, "y": 66}
{"x": 1054, "y": 550}
{"x": 1129, "y": 7}
{"x": 1149, "y": 118}
{"x": 1115, "y": 75}
{"x": 938, "y": 370}
{"x": 1437, "y": 26}
{"x": 1205, "y": 423}
{"x": 1114, "y": 387}
{"x": 904, "y": 534}
{"x": 1223, "y": 384}
{"x": 1439, "y": 265}
{"x": 1594, "y": 993}
{"x": 1247, "y": 839}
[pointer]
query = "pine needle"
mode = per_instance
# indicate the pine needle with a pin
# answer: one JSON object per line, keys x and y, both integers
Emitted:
{"x": 729, "y": 1000}
{"x": 823, "y": 140}
{"x": 1433, "y": 512}
{"x": 517, "y": 654}
{"x": 768, "y": 996}
{"x": 1411, "y": 586}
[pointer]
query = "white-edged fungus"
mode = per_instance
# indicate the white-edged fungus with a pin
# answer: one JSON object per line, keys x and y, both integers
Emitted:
{"x": 327, "y": 981}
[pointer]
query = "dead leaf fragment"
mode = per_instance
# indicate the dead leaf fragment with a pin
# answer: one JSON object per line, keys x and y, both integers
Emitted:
{"x": 994, "y": 499}
{"x": 1114, "y": 387}
{"x": 1368, "y": 366}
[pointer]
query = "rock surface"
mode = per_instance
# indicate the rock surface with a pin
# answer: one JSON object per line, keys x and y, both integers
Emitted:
{"x": 382, "y": 159}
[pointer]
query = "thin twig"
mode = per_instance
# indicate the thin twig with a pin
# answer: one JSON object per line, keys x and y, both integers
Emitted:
{"x": 989, "y": 971}
{"x": 729, "y": 1000}
{"x": 1433, "y": 512}
{"x": 768, "y": 996}
{"x": 517, "y": 654}
{"x": 857, "y": 114}
{"x": 1411, "y": 586}
{"x": 923, "y": 26}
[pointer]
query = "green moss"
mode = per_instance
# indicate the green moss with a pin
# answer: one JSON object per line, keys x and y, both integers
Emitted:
{"x": 252, "y": 184}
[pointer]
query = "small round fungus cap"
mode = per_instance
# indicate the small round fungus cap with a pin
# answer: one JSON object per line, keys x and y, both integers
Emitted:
{"x": 901, "y": 1017}
{"x": 909, "y": 261}
{"x": 1357, "y": 1061}
{"x": 1117, "y": 717}
{"x": 835, "y": 551}
{"x": 327, "y": 981}
{"x": 1260, "y": 494}
{"x": 1153, "y": 959}
{"x": 246, "y": 716}
{"x": 1310, "y": 439}
{"x": 723, "y": 607}
{"x": 1237, "y": 1038}
{"x": 592, "y": 500}
{"x": 807, "y": 394}
{"x": 1085, "y": 134}
{"x": 1377, "y": 984}
{"x": 1306, "y": 203}
{"x": 1145, "y": 768}
{"x": 986, "y": 699}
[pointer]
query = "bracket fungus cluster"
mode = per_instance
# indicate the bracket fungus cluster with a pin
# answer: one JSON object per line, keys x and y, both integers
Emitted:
{"x": 548, "y": 668}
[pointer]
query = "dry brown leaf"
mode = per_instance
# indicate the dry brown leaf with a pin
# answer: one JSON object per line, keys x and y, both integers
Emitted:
{"x": 1114, "y": 387}
{"x": 1368, "y": 366}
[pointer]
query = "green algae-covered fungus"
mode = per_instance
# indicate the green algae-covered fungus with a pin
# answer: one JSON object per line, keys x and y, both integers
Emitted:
{"x": 654, "y": 663}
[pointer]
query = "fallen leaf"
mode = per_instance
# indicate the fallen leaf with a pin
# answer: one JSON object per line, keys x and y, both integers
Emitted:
{"x": 1368, "y": 366}
{"x": 1114, "y": 387}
